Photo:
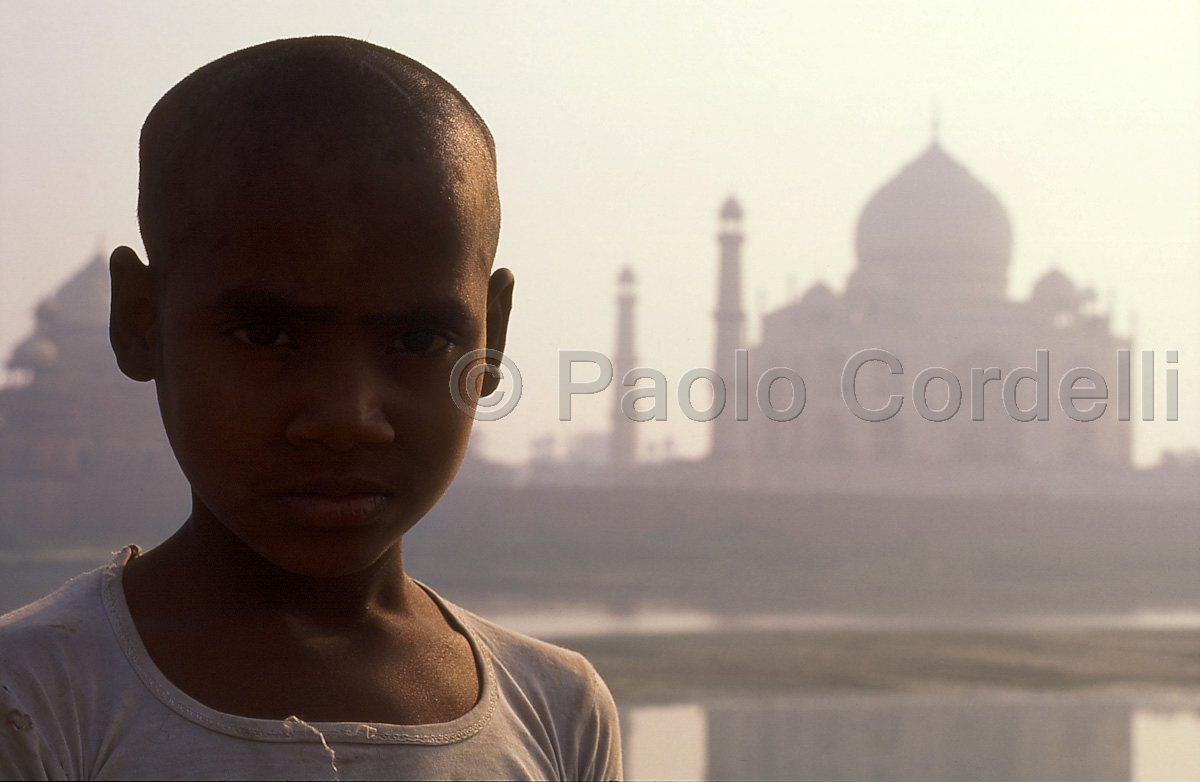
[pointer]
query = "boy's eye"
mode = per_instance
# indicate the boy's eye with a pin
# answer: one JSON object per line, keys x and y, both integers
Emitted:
{"x": 263, "y": 335}
{"x": 419, "y": 342}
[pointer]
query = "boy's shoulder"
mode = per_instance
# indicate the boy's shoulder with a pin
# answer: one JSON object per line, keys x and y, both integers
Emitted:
{"x": 64, "y": 645}
{"x": 555, "y": 687}
{"x": 560, "y": 676}
{"x": 56, "y": 655}
{"x": 71, "y": 616}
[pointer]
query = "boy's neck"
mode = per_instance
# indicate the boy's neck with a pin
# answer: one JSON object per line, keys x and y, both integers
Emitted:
{"x": 226, "y": 576}
{"x": 243, "y": 636}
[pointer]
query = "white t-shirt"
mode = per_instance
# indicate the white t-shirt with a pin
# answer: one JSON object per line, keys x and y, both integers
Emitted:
{"x": 81, "y": 699}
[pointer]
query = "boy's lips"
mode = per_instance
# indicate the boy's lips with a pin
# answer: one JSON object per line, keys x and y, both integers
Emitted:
{"x": 334, "y": 501}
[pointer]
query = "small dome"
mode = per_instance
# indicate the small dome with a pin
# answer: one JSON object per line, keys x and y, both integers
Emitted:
{"x": 83, "y": 299}
{"x": 1055, "y": 292}
{"x": 818, "y": 297}
{"x": 626, "y": 276}
{"x": 47, "y": 311}
{"x": 35, "y": 353}
{"x": 731, "y": 209}
{"x": 935, "y": 228}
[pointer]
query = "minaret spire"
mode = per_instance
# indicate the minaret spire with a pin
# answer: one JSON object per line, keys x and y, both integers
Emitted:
{"x": 731, "y": 327}
{"x": 623, "y": 440}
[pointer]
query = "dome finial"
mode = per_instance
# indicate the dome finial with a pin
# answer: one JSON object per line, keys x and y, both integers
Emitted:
{"x": 731, "y": 210}
{"x": 935, "y": 121}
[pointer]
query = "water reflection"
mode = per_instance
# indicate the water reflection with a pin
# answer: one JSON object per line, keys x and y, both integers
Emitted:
{"x": 666, "y": 742}
{"x": 1166, "y": 744}
{"x": 964, "y": 735}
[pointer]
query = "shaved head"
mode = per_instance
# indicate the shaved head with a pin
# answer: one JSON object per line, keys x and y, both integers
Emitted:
{"x": 241, "y": 127}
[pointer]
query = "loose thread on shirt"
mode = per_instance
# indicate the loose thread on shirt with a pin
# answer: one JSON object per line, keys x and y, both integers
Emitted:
{"x": 294, "y": 721}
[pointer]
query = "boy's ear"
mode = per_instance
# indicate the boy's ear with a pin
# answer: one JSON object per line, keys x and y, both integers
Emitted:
{"x": 134, "y": 314}
{"x": 500, "y": 292}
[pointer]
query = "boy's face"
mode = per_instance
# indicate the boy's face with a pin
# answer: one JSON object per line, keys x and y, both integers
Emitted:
{"x": 303, "y": 358}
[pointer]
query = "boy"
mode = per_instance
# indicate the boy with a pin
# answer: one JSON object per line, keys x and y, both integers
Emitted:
{"x": 320, "y": 217}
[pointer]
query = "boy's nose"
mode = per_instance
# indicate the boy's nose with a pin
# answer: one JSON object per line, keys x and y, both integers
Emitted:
{"x": 343, "y": 412}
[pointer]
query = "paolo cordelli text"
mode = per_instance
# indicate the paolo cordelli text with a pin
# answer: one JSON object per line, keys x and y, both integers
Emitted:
{"x": 1082, "y": 393}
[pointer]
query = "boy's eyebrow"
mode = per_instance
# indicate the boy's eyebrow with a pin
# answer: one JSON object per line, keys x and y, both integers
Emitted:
{"x": 448, "y": 313}
{"x": 242, "y": 302}
{"x": 246, "y": 302}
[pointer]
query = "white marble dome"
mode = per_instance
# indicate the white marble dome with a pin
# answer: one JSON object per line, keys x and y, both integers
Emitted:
{"x": 935, "y": 228}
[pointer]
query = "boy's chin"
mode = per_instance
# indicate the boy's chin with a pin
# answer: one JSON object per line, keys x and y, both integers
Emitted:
{"x": 330, "y": 554}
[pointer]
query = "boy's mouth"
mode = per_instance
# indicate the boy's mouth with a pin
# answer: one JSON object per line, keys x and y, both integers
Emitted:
{"x": 334, "y": 501}
{"x": 317, "y": 510}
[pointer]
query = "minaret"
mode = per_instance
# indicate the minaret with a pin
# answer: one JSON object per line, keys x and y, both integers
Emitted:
{"x": 623, "y": 444}
{"x": 731, "y": 328}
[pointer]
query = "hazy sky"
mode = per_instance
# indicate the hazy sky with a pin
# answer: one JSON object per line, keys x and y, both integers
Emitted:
{"x": 622, "y": 126}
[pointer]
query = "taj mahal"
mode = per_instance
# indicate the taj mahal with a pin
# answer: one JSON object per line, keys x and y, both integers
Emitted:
{"x": 933, "y": 248}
